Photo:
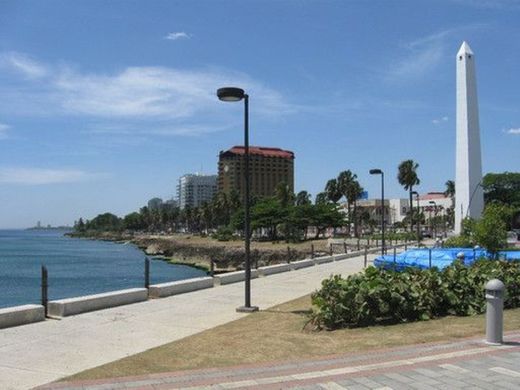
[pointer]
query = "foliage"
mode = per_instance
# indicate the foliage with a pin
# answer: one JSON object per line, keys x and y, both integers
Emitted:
{"x": 502, "y": 188}
{"x": 490, "y": 230}
{"x": 380, "y": 296}
{"x": 459, "y": 242}
{"x": 224, "y": 233}
{"x": 407, "y": 177}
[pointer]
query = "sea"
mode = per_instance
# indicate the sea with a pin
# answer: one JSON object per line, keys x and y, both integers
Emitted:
{"x": 75, "y": 266}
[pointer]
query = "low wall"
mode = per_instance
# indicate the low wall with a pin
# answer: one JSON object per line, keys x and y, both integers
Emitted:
{"x": 233, "y": 277}
{"x": 323, "y": 259}
{"x": 77, "y": 305}
{"x": 302, "y": 264}
{"x": 21, "y": 315}
{"x": 180, "y": 287}
{"x": 274, "y": 269}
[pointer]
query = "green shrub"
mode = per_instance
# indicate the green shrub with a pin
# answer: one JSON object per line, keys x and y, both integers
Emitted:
{"x": 381, "y": 296}
{"x": 459, "y": 242}
{"x": 224, "y": 233}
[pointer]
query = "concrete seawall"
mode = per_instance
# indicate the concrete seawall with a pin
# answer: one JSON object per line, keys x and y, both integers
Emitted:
{"x": 77, "y": 305}
{"x": 180, "y": 287}
{"x": 20, "y": 315}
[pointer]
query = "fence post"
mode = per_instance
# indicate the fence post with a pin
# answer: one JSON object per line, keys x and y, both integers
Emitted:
{"x": 146, "y": 272}
{"x": 345, "y": 246}
{"x": 366, "y": 255}
{"x": 368, "y": 241}
{"x": 474, "y": 254}
{"x": 395, "y": 253}
{"x": 312, "y": 251}
{"x": 358, "y": 244}
{"x": 211, "y": 268}
{"x": 377, "y": 242}
{"x": 45, "y": 289}
{"x": 288, "y": 255}
{"x": 406, "y": 246}
{"x": 331, "y": 251}
{"x": 430, "y": 257}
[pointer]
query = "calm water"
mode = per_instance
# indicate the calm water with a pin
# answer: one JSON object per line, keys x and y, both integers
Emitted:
{"x": 76, "y": 266}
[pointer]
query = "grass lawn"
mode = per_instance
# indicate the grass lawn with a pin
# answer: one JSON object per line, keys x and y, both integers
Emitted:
{"x": 280, "y": 333}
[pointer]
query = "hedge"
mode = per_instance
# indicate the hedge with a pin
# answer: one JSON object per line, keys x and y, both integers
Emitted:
{"x": 378, "y": 296}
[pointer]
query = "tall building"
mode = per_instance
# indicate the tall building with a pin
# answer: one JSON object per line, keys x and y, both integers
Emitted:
{"x": 469, "y": 197}
{"x": 268, "y": 167}
{"x": 195, "y": 189}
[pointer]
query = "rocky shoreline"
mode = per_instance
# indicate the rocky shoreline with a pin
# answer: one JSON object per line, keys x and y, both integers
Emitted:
{"x": 179, "y": 250}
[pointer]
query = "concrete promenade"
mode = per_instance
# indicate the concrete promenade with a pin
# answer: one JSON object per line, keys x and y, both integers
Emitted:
{"x": 39, "y": 353}
{"x": 466, "y": 364}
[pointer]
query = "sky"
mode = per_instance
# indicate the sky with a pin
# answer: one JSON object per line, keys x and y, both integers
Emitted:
{"x": 105, "y": 104}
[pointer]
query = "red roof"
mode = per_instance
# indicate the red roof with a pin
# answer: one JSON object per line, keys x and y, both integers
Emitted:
{"x": 262, "y": 151}
{"x": 432, "y": 195}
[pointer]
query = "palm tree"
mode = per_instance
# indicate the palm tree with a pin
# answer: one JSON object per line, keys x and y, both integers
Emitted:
{"x": 345, "y": 182}
{"x": 450, "y": 192}
{"x": 354, "y": 192}
{"x": 407, "y": 177}
{"x": 333, "y": 191}
{"x": 284, "y": 194}
{"x": 303, "y": 198}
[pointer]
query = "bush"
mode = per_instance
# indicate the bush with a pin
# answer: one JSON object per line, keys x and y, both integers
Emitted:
{"x": 381, "y": 296}
{"x": 459, "y": 242}
{"x": 224, "y": 233}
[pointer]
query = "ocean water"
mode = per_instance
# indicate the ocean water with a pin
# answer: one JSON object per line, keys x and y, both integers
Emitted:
{"x": 75, "y": 266}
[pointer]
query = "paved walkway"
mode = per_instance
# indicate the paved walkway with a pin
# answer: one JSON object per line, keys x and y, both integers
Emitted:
{"x": 36, "y": 354}
{"x": 467, "y": 364}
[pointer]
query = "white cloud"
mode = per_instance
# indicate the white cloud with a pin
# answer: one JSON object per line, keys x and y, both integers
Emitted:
{"x": 423, "y": 55}
{"x": 22, "y": 64}
{"x": 173, "y": 36}
{"x": 514, "y": 131}
{"x": 39, "y": 176}
{"x": 186, "y": 98}
{"x": 3, "y": 130}
{"x": 440, "y": 120}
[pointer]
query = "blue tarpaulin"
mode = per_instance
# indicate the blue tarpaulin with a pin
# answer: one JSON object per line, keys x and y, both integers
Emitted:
{"x": 440, "y": 258}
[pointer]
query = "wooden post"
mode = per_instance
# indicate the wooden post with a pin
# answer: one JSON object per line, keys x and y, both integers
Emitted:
{"x": 45, "y": 289}
{"x": 366, "y": 255}
{"x": 288, "y": 255}
{"x": 345, "y": 246}
{"x": 312, "y": 251}
{"x": 430, "y": 257}
{"x": 358, "y": 244}
{"x": 211, "y": 268}
{"x": 146, "y": 272}
{"x": 331, "y": 251}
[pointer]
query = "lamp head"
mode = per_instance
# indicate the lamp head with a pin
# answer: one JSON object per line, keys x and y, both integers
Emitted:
{"x": 230, "y": 94}
{"x": 432, "y": 202}
{"x": 376, "y": 171}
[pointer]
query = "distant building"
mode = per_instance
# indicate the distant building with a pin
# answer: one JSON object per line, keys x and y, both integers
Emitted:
{"x": 268, "y": 168}
{"x": 434, "y": 204}
{"x": 194, "y": 189}
{"x": 155, "y": 203}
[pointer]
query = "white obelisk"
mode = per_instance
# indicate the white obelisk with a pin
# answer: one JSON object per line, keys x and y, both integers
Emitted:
{"x": 469, "y": 197}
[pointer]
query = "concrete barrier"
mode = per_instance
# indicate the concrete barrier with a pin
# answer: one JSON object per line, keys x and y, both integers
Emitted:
{"x": 20, "y": 315}
{"x": 179, "y": 287}
{"x": 323, "y": 259}
{"x": 77, "y": 305}
{"x": 302, "y": 264}
{"x": 274, "y": 269}
{"x": 233, "y": 277}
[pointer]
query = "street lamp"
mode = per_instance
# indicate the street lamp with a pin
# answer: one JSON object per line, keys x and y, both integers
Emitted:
{"x": 433, "y": 224}
{"x": 418, "y": 217}
{"x": 231, "y": 94}
{"x": 380, "y": 172}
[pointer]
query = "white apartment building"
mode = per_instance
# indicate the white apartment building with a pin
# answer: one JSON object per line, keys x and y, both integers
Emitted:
{"x": 195, "y": 189}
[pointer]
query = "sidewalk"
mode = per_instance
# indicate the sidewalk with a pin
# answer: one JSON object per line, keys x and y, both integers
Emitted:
{"x": 469, "y": 364}
{"x": 40, "y": 353}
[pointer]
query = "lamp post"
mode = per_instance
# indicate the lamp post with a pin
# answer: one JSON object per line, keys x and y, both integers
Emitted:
{"x": 232, "y": 94}
{"x": 433, "y": 224}
{"x": 380, "y": 172}
{"x": 418, "y": 219}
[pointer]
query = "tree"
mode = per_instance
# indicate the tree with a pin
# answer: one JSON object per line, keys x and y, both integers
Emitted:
{"x": 354, "y": 192}
{"x": 321, "y": 198}
{"x": 450, "y": 189}
{"x": 450, "y": 192}
{"x": 284, "y": 194}
{"x": 333, "y": 191}
{"x": 491, "y": 231}
{"x": 407, "y": 177}
{"x": 133, "y": 221}
{"x": 502, "y": 188}
{"x": 326, "y": 215}
{"x": 303, "y": 198}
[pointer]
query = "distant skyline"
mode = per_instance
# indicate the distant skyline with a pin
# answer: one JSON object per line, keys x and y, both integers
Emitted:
{"x": 105, "y": 104}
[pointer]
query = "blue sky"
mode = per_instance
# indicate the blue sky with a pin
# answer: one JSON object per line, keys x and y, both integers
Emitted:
{"x": 104, "y": 104}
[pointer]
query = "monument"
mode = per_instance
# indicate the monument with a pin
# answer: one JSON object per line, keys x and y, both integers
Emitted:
{"x": 469, "y": 197}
